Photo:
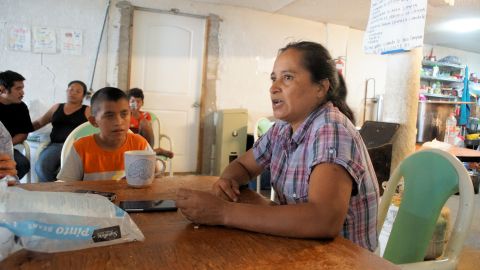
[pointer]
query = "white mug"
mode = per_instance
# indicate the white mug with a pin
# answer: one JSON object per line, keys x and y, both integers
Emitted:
{"x": 140, "y": 167}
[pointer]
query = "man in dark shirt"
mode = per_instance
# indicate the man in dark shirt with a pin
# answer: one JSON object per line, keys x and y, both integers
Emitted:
{"x": 14, "y": 115}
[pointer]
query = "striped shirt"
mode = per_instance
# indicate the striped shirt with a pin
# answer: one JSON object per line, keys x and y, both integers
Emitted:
{"x": 86, "y": 160}
{"x": 326, "y": 136}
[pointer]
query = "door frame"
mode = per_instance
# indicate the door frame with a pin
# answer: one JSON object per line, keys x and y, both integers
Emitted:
{"x": 203, "y": 154}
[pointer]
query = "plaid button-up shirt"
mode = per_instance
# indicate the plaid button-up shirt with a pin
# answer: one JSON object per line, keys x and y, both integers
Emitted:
{"x": 326, "y": 136}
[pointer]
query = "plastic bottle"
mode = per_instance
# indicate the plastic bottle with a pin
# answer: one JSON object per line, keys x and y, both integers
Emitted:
{"x": 133, "y": 104}
{"x": 450, "y": 129}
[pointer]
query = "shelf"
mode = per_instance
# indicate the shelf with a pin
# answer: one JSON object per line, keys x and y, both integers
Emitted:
{"x": 441, "y": 64}
{"x": 474, "y": 86}
{"x": 439, "y": 96}
{"x": 424, "y": 77}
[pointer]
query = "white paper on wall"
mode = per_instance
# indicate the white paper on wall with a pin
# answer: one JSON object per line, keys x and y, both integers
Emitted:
{"x": 19, "y": 38}
{"x": 395, "y": 25}
{"x": 44, "y": 40}
{"x": 71, "y": 41}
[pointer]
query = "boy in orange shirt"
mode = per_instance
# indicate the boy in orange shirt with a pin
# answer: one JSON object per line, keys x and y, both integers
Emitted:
{"x": 101, "y": 156}
{"x": 140, "y": 122}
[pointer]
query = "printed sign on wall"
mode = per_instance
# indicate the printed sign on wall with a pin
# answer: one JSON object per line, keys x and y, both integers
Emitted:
{"x": 71, "y": 41}
{"x": 19, "y": 38}
{"x": 44, "y": 40}
{"x": 395, "y": 26}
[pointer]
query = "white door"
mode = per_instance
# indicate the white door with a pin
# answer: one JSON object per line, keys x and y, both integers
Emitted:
{"x": 167, "y": 62}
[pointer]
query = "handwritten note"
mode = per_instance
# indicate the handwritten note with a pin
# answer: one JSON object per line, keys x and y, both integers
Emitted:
{"x": 395, "y": 25}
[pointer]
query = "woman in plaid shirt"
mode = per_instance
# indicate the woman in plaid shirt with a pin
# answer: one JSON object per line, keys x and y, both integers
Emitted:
{"x": 319, "y": 165}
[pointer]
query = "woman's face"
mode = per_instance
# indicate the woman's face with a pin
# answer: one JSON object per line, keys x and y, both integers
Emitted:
{"x": 294, "y": 95}
{"x": 75, "y": 93}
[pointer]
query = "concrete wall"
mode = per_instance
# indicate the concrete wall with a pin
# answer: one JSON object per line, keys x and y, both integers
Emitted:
{"x": 47, "y": 75}
{"x": 248, "y": 41}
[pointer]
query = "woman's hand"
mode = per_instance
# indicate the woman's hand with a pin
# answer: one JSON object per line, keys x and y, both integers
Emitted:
{"x": 201, "y": 207}
{"x": 227, "y": 189}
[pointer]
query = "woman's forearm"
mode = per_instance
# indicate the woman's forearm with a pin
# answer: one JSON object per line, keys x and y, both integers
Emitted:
{"x": 243, "y": 169}
{"x": 305, "y": 220}
{"x": 237, "y": 172}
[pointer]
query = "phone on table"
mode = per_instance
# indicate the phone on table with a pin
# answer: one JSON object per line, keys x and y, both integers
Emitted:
{"x": 148, "y": 206}
{"x": 109, "y": 195}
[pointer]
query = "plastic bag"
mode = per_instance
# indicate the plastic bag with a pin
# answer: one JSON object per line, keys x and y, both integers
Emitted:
{"x": 61, "y": 221}
{"x": 6, "y": 147}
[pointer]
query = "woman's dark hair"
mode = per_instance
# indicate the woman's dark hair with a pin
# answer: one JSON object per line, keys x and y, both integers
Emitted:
{"x": 136, "y": 93}
{"x": 317, "y": 60}
{"x": 82, "y": 84}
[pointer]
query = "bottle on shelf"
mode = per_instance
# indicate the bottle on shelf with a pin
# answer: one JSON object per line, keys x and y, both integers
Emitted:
{"x": 450, "y": 129}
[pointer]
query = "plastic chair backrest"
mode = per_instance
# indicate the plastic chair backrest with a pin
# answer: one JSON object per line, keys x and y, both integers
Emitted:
{"x": 156, "y": 127}
{"x": 82, "y": 130}
{"x": 430, "y": 176}
{"x": 262, "y": 126}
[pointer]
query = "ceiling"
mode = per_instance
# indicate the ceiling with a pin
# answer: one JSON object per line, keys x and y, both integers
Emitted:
{"x": 354, "y": 13}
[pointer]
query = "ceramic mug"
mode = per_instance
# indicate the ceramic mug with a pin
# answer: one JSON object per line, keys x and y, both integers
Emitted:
{"x": 140, "y": 167}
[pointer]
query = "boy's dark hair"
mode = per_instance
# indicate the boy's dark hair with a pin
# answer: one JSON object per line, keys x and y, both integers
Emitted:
{"x": 135, "y": 92}
{"x": 8, "y": 78}
{"x": 82, "y": 84}
{"x": 106, "y": 94}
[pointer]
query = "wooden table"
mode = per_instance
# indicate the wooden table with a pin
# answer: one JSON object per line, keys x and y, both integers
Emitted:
{"x": 465, "y": 154}
{"x": 172, "y": 242}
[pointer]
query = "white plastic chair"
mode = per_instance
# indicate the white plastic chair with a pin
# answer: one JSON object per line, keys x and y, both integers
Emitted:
{"x": 25, "y": 148}
{"x": 262, "y": 125}
{"x": 82, "y": 130}
{"x": 156, "y": 127}
{"x": 431, "y": 176}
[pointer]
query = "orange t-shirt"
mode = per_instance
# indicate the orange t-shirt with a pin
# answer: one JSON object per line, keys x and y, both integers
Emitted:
{"x": 135, "y": 123}
{"x": 88, "y": 161}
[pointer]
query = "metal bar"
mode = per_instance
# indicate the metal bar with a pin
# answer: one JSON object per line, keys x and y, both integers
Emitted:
{"x": 173, "y": 11}
{"x": 99, "y": 43}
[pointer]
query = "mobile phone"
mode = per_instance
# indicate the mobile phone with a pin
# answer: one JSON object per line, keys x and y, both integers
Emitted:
{"x": 109, "y": 195}
{"x": 148, "y": 206}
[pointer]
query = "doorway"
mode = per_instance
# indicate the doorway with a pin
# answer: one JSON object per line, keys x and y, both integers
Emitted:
{"x": 166, "y": 61}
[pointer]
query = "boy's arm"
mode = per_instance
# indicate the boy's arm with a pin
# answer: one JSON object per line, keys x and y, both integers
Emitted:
{"x": 72, "y": 169}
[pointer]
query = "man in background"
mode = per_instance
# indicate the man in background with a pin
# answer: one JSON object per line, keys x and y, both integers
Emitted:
{"x": 14, "y": 115}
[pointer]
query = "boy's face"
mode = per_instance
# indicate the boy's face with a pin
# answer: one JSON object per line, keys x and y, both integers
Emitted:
{"x": 112, "y": 118}
{"x": 16, "y": 93}
{"x": 136, "y": 103}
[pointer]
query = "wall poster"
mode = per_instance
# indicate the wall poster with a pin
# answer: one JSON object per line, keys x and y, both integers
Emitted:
{"x": 19, "y": 38}
{"x": 71, "y": 41}
{"x": 44, "y": 40}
